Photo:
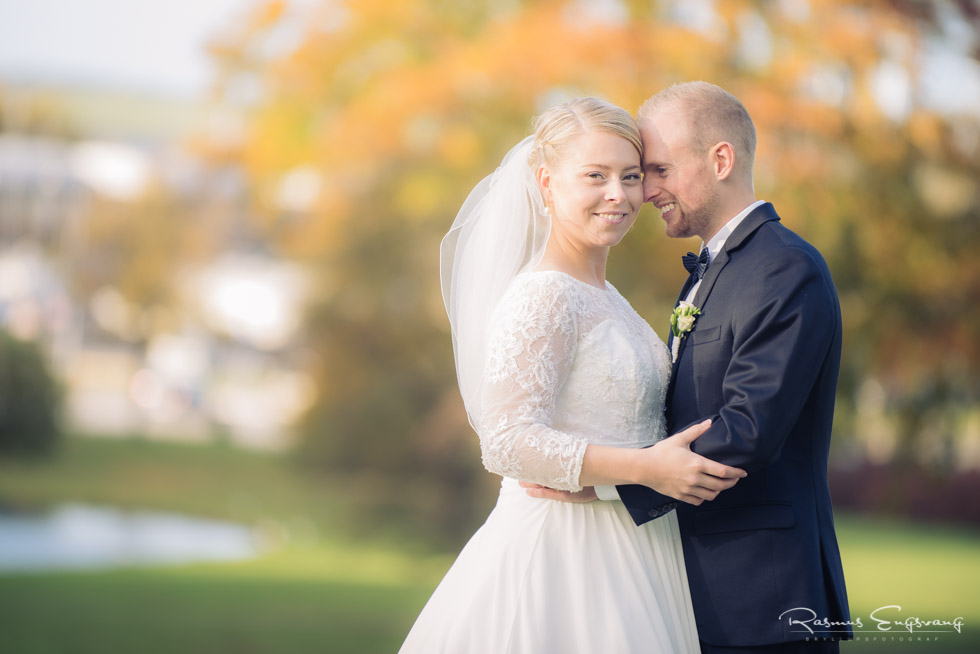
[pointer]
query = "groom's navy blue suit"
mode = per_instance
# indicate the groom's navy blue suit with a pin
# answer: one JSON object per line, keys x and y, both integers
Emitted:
{"x": 762, "y": 363}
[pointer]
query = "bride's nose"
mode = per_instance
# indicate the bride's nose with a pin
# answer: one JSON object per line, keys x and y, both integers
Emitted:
{"x": 615, "y": 192}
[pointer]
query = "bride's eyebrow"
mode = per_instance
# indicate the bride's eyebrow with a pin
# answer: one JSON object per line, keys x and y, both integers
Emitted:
{"x": 607, "y": 166}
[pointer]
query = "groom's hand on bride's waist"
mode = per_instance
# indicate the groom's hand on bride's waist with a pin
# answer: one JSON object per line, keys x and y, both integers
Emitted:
{"x": 587, "y": 494}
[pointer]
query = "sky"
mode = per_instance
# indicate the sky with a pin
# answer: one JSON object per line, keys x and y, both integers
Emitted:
{"x": 156, "y": 46}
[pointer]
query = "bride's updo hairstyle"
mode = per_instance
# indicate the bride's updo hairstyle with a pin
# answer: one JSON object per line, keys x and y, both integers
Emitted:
{"x": 558, "y": 126}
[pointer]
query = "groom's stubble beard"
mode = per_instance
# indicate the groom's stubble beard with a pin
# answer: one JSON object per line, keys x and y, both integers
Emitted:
{"x": 687, "y": 225}
{"x": 698, "y": 220}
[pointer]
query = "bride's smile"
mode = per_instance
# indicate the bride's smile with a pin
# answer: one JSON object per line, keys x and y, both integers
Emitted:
{"x": 596, "y": 191}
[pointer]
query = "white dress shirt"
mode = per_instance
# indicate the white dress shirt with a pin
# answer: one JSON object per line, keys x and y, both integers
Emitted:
{"x": 715, "y": 245}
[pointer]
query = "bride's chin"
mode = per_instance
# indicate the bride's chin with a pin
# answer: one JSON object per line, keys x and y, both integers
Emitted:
{"x": 618, "y": 237}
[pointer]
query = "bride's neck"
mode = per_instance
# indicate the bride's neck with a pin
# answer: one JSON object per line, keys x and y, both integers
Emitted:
{"x": 588, "y": 266}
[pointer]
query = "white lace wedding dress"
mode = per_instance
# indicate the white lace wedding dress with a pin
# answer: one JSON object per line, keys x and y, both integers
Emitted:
{"x": 569, "y": 364}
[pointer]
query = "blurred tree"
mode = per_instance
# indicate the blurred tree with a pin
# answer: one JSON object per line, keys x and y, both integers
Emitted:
{"x": 134, "y": 248}
{"x": 395, "y": 111}
{"x": 30, "y": 400}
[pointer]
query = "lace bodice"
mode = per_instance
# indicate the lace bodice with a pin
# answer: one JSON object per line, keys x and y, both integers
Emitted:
{"x": 568, "y": 364}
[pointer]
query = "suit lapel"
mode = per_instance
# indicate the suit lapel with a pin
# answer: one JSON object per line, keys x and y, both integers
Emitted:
{"x": 670, "y": 343}
{"x": 762, "y": 214}
{"x": 710, "y": 277}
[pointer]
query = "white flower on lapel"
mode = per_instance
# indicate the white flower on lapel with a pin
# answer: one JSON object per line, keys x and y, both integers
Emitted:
{"x": 682, "y": 319}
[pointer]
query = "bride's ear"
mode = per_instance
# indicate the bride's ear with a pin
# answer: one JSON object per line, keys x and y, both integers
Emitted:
{"x": 544, "y": 183}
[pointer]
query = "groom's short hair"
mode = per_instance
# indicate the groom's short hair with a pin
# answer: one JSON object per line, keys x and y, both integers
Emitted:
{"x": 713, "y": 115}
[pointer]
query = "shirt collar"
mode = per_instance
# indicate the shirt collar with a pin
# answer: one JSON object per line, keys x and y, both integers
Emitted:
{"x": 717, "y": 241}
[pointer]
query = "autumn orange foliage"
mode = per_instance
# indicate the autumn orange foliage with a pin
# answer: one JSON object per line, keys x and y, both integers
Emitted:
{"x": 401, "y": 107}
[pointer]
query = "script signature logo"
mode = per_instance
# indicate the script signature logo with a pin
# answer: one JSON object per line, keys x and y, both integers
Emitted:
{"x": 810, "y": 620}
{"x": 914, "y": 623}
{"x": 806, "y": 619}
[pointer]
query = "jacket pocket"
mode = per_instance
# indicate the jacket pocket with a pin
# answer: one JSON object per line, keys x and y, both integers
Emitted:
{"x": 699, "y": 336}
{"x": 744, "y": 518}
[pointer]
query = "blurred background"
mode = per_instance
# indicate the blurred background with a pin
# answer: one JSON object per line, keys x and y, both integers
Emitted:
{"x": 228, "y": 412}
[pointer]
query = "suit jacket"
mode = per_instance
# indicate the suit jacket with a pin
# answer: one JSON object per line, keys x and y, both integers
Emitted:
{"x": 762, "y": 362}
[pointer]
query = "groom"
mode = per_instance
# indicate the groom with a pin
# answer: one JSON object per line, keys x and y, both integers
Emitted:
{"x": 761, "y": 361}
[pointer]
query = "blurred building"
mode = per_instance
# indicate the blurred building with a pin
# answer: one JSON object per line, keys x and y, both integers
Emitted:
{"x": 228, "y": 359}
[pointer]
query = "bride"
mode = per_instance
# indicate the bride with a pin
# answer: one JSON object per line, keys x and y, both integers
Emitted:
{"x": 565, "y": 384}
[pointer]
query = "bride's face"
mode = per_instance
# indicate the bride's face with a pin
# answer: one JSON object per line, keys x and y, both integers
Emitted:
{"x": 595, "y": 191}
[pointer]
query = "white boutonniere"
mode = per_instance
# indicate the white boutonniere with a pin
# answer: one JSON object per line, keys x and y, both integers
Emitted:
{"x": 682, "y": 319}
{"x": 682, "y": 322}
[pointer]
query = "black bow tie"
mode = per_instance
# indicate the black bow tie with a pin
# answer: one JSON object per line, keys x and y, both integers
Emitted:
{"x": 696, "y": 265}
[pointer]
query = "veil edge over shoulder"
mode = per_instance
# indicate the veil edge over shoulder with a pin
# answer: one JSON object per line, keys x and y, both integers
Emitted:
{"x": 501, "y": 229}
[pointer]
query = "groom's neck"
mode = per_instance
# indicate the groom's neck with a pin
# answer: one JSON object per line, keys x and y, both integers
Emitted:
{"x": 727, "y": 209}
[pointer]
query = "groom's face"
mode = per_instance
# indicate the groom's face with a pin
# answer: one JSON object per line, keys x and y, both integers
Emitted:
{"x": 676, "y": 179}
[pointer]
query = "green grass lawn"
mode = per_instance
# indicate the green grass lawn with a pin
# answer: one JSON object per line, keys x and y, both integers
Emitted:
{"x": 327, "y": 585}
{"x": 931, "y": 572}
{"x": 207, "y": 480}
{"x": 207, "y": 609}
{"x": 321, "y": 586}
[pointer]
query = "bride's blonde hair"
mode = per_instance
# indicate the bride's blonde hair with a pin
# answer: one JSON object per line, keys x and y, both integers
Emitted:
{"x": 556, "y": 127}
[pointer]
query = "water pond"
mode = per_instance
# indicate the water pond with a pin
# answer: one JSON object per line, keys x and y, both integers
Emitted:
{"x": 81, "y": 536}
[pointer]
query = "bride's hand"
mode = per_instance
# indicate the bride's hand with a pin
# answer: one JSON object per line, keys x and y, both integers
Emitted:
{"x": 587, "y": 494}
{"x": 671, "y": 468}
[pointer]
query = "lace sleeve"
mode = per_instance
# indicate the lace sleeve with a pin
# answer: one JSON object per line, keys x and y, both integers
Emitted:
{"x": 532, "y": 341}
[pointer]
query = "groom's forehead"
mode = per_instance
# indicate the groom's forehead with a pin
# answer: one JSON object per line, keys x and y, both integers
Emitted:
{"x": 652, "y": 135}
{"x": 655, "y": 150}
{"x": 660, "y": 152}
{"x": 663, "y": 128}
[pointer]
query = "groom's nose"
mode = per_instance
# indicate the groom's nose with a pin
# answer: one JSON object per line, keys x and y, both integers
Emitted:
{"x": 651, "y": 189}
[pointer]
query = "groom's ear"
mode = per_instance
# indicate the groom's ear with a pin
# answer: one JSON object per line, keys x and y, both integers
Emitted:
{"x": 723, "y": 159}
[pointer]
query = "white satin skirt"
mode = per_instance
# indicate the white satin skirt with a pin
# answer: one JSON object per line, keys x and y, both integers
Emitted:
{"x": 543, "y": 577}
